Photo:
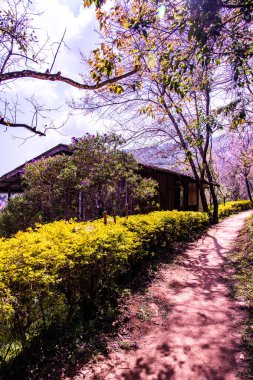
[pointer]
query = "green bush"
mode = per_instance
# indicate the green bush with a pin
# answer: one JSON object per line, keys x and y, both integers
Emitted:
{"x": 233, "y": 207}
{"x": 19, "y": 214}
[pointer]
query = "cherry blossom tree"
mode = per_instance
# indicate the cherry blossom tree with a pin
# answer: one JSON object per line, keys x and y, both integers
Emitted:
{"x": 234, "y": 161}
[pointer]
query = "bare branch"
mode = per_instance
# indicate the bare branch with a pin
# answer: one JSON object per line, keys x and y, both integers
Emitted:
{"x": 59, "y": 78}
{"x": 57, "y": 50}
{"x": 21, "y": 125}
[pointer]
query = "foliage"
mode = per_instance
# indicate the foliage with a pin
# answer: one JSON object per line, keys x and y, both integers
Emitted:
{"x": 242, "y": 260}
{"x": 233, "y": 207}
{"x": 19, "y": 214}
{"x": 49, "y": 273}
{"x": 108, "y": 176}
{"x": 223, "y": 33}
{"x": 50, "y": 186}
{"x": 233, "y": 159}
{"x": 220, "y": 30}
{"x": 97, "y": 177}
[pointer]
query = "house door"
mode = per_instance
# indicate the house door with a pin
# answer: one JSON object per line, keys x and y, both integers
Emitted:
{"x": 179, "y": 196}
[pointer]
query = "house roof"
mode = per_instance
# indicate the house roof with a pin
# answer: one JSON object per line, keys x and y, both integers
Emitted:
{"x": 172, "y": 172}
{"x": 11, "y": 181}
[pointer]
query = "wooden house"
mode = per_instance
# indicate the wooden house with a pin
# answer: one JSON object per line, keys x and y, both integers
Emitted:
{"x": 176, "y": 190}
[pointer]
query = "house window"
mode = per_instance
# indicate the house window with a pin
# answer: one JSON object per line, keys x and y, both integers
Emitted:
{"x": 192, "y": 195}
{"x": 179, "y": 195}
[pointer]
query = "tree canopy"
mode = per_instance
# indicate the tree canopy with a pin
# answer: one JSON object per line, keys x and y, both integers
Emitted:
{"x": 189, "y": 54}
{"x": 98, "y": 176}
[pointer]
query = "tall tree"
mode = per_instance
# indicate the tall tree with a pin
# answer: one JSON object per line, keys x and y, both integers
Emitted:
{"x": 173, "y": 86}
{"x": 234, "y": 160}
{"x": 98, "y": 176}
{"x": 220, "y": 29}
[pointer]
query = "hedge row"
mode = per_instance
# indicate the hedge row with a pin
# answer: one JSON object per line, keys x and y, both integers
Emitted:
{"x": 48, "y": 274}
{"x": 233, "y": 207}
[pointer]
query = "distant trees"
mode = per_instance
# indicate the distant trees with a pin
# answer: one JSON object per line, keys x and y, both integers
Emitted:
{"x": 234, "y": 161}
{"x": 97, "y": 177}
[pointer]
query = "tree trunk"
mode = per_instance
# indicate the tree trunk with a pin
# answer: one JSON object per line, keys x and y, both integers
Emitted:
{"x": 203, "y": 197}
{"x": 184, "y": 145}
{"x": 248, "y": 189}
{"x": 215, "y": 218}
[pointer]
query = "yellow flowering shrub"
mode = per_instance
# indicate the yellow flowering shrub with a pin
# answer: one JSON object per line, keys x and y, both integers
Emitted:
{"x": 50, "y": 270}
{"x": 49, "y": 273}
{"x": 165, "y": 227}
{"x": 233, "y": 207}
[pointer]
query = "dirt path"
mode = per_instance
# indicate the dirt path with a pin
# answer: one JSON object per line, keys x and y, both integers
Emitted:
{"x": 186, "y": 327}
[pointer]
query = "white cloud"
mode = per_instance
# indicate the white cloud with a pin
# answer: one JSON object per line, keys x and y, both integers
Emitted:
{"x": 79, "y": 23}
{"x": 46, "y": 91}
{"x": 58, "y": 15}
{"x": 80, "y": 35}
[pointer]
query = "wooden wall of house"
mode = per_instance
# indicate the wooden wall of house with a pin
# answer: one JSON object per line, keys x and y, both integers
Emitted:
{"x": 166, "y": 184}
{"x": 167, "y": 191}
{"x": 175, "y": 192}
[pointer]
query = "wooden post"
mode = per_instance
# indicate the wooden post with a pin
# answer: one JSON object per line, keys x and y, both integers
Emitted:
{"x": 105, "y": 217}
{"x": 9, "y": 194}
{"x": 114, "y": 216}
{"x": 224, "y": 200}
{"x": 126, "y": 209}
{"x": 126, "y": 198}
{"x": 80, "y": 206}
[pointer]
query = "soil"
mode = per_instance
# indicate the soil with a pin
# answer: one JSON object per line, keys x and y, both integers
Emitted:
{"x": 187, "y": 325}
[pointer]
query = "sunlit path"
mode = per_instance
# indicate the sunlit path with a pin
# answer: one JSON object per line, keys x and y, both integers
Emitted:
{"x": 200, "y": 336}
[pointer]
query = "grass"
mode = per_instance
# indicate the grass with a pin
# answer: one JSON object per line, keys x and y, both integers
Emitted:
{"x": 242, "y": 261}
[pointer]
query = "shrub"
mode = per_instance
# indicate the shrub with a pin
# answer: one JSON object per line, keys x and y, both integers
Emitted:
{"x": 161, "y": 228}
{"x": 51, "y": 272}
{"x": 233, "y": 207}
{"x": 19, "y": 214}
{"x": 243, "y": 260}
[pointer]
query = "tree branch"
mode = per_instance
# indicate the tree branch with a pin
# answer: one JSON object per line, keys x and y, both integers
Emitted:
{"x": 59, "y": 78}
{"x": 15, "y": 125}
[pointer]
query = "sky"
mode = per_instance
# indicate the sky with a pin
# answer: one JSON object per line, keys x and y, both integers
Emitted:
{"x": 80, "y": 23}
{"x": 55, "y": 16}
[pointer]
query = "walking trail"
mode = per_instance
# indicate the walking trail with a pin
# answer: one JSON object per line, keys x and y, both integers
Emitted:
{"x": 187, "y": 326}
